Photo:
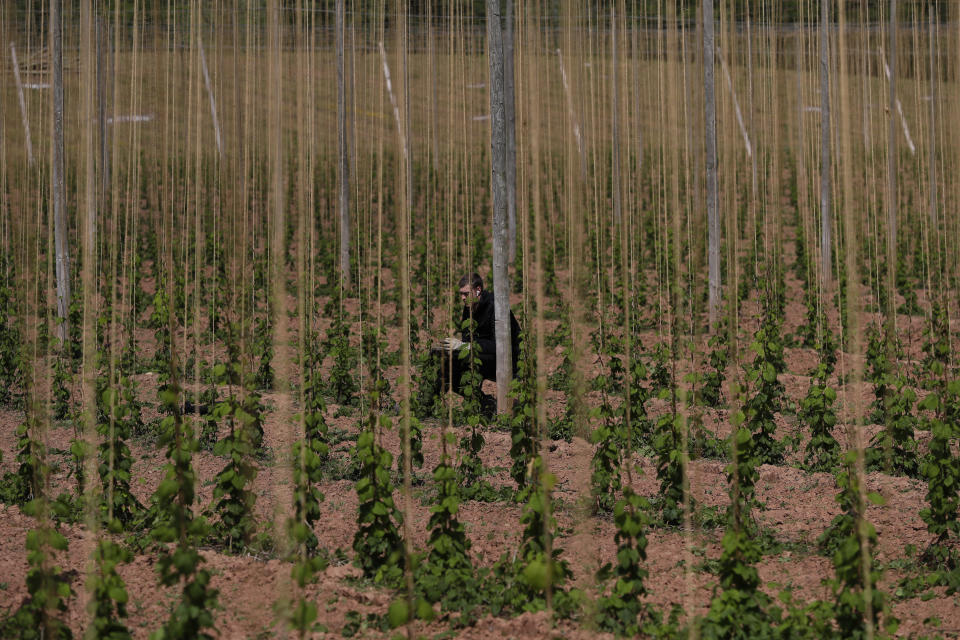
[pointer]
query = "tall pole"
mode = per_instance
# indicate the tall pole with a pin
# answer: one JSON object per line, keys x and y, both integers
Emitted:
{"x": 710, "y": 116}
{"x": 102, "y": 113}
{"x": 343, "y": 169}
{"x": 892, "y": 182}
{"x": 510, "y": 112}
{"x": 932, "y": 122}
{"x": 501, "y": 288}
{"x": 825, "y": 236}
{"x": 56, "y": 175}
{"x": 614, "y": 119}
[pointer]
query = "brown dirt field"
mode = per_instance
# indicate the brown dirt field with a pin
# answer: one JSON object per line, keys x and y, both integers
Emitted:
{"x": 798, "y": 506}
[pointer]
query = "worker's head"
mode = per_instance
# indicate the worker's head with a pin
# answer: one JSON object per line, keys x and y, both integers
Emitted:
{"x": 471, "y": 286}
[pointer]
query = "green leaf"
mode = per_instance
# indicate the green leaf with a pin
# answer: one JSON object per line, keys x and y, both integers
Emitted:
{"x": 399, "y": 613}
{"x": 876, "y": 498}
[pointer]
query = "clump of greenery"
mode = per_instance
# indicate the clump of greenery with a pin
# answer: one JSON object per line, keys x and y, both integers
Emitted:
{"x": 470, "y": 468}
{"x": 816, "y": 412}
{"x": 108, "y": 607}
{"x": 377, "y": 542}
{"x": 622, "y": 611}
{"x": 262, "y": 345}
{"x": 523, "y": 425}
{"x": 605, "y": 482}
{"x": 232, "y": 498}
{"x": 858, "y": 602}
{"x": 534, "y": 576}
{"x": 936, "y": 347}
{"x": 767, "y": 391}
{"x": 416, "y": 450}
{"x": 879, "y": 370}
{"x": 427, "y": 403}
{"x": 307, "y": 471}
{"x": 47, "y": 587}
{"x": 711, "y": 391}
{"x": 10, "y": 345}
{"x": 18, "y": 487}
{"x": 941, "y": 469}
{"x": 561, "y": 428}
{"x": 159, "y": 320}
{"x": 637, "y": 426}
{"x": 240, "y": 410}
{"x": 116, "y": 462}
{"x": 671, "y": 463}
{"x": 342, "y": 383}
{"x": 447, "y": 574}
{"x": 894, "y": 448}
{"x": 62, "y": 379}
{"x": 661, "y": 376}
{"x": 741, "y": 608}
{"x": 309, "y": 457}
{"x": 175, "y": 525}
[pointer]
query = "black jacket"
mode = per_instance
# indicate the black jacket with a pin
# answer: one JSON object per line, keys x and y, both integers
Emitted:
{"x": 484, "y": 334}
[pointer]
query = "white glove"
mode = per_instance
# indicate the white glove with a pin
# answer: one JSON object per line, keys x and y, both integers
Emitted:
{"x": 451, "y": 344}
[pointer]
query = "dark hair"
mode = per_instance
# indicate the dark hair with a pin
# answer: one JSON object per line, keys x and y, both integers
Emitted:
{"x": 476, "y": 282}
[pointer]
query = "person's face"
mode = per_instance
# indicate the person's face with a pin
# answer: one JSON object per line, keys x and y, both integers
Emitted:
{"x": 468, "y": 294}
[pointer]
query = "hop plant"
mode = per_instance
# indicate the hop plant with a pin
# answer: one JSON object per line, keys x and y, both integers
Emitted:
{"x": 377, "y": 542}
{"x": 636, "y": 425}
{"x": 621, "y": 611}
{"x": 108, "y": 606}
{"x": 536, "y": 572}
{"x": 523, "y": 424}
{"x": 448, "y": 571}
{"x": 174, "y": 523}
{"x": 21, "y": 487}
{"x": 10, "y": 345}
{"x": 671, "y": 461}
{"x": 47, "y": 587}
{"x": 711, "y": 392}
{"x": 470, "y": 467}
{"x": 661, "y": 377}
{"x": 116, "y": 461}
{"x": 941, "y": 468}
{"x": 263, "y": 347}
{"x": 741, "y": 609}
{"x": 606, "y": 462}
{"x": 847, "y": 535}
{"x": 62, "y": 379}
{"x": 894, "y": 448}
{"x": 816, "y": 412}
{"x": 765, "y": 403}
{"x": 342, "y": 383}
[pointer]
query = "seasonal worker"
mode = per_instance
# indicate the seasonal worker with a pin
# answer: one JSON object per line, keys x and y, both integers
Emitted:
{"x": 477, "y": 304}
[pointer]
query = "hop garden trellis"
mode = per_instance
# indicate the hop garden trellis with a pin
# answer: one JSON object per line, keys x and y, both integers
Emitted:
{"x": 201, "y": 146}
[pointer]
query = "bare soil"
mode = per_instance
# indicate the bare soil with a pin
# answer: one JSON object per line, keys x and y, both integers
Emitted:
{"x": 797, "y": 507}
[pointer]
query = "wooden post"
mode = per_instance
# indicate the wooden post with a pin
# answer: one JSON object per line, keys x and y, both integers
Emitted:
{"x": 892, "y": 184}
{"x": 932, "y": 150}
{"x": 23, "y": 105}
{"x": 434, "y": 129}
{"x": 56, "y": 175}
{"x": 343, "y": 169}
{"x": 498, "y": 148}
{"x": 510, "y": 112}
{"x": 710, "y": 116}
{"x": 102, "y": 114}
{"x": 88, "y": 244}
{"x": 614, "y": 117}
{"x": 825, "y": 223}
